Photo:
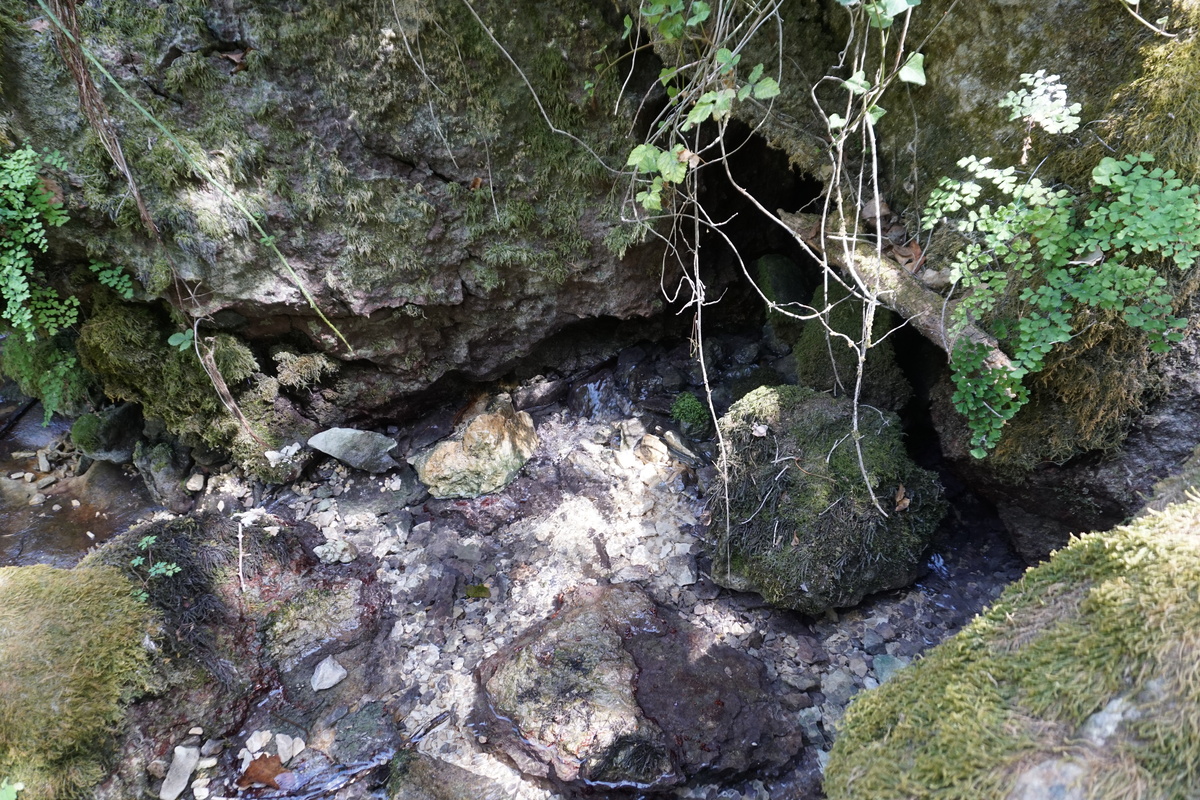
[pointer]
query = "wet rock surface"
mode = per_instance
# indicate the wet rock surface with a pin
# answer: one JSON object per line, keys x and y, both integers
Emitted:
{"x": 617, "y": 692}
{"x": 745, "y": 697}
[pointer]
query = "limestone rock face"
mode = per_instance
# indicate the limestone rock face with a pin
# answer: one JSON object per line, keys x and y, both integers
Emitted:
{"x": 365, "y": 450}
{"x": 439, "y": 234}
{"x": 617, "y": 692}
{"x": 484, "y": 455}
{"x": 805, "y": 533}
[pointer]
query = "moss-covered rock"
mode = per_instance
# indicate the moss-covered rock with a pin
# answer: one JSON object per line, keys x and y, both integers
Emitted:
{"x": 803, "y": 529}
{"x": 1083, "y": 674}
{"x": 827, "y": 363}
{"x": 71, "y": 655}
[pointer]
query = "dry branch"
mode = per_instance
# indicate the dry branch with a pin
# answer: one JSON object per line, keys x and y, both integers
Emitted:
{"x": 897, "y": 288}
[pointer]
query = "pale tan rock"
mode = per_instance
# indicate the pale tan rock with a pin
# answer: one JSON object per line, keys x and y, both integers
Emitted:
{"x": 482, "y": 456}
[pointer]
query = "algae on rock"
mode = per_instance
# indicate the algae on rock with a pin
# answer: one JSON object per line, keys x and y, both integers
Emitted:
{"x": 71, "y": 655}
{"x": 803, "y": 531}
{"x": 1087, "y": 667}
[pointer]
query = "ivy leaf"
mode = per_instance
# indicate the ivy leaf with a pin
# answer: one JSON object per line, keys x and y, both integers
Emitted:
{"x": 672, "y": 169}
{"x": 644, "y": 157}
{"x": 700, "y": 12}
{"x": 836, "y": 121}
{"x": 858, "y": 83}
{"x": 628, "y": 27}
{"x": 755, "y": 73}
{"x": 913, "y": 70}
{"x": 766, "y": 88}
{"x": 701, "y": 111}
{"x": 726, "y": 58}
{"x": 874, "y": 113}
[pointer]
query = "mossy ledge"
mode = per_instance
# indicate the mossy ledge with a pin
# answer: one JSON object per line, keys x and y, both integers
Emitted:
{"x": 1110, "y": 624}
{"x": 71, "y": 655}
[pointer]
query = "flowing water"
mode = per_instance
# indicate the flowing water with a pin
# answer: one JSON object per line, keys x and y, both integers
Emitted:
{"x": 76, "y": 513}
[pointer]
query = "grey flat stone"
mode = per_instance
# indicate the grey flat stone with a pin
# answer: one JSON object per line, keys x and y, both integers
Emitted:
{"x": 363, "y": 450}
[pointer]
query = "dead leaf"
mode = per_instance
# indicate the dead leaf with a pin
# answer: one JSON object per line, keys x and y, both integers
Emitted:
{"x": 265, "y": 770}
{"x": 476, "y": 182}
{"x": 40, "y": 25}
{"x": 238, "y": 57}
{"x": 795, "y": 540}
{"x": 54, "y": 192}
{"x": 909, "y": 256}
{"x": 902, "y": 500}
{"x": 686, "y": 156}
{"x": 874, "y": 209}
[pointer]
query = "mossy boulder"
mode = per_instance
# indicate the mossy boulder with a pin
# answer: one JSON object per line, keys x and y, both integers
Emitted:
{"x": 804, "y": 531}
{"x": 71, "y": 656}
{"x": 826, "y": 362}
{"x": 1083, "y": 675}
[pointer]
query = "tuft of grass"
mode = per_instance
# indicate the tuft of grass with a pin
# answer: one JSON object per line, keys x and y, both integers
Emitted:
{"x": 71, "y": 655}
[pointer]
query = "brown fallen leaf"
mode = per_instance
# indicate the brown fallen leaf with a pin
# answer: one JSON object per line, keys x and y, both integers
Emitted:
{"x": 902, "y": 500}
{"x": 41, "y": 25}
{"x": 909, "y": 256}
{"x": 265, "y": 770}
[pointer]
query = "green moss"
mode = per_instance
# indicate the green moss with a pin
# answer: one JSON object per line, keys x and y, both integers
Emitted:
{"x": 125, "y": 346}
{"x": 803, "y": 530}
{"x": 827, "y": 363}
{"x": 47, "y": 369}
{"x": 1085, "y": 399}
{"x": 1114, "y": 615}
{"x": 85, "y": 433}
{"x": 689, "y": 412}
{"x": 71, "y": 655}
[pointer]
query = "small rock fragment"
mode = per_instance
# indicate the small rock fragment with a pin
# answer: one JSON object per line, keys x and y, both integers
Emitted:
{"x": 258, "y": 740}
{"x": 288, "y": 746}
{"x": 195, "y": 483}
{"x": 336, "y": 551}
{"x": 329, "y": 673}
{"x": 180, "y": 772}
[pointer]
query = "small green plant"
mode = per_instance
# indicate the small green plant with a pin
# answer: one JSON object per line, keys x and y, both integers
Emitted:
{"x": 706, "y": 92}
{"x": 27, "y": 208}
{"x": 688, "y": 411}
{"x": 153, "y": 569}
{"x": 182, "y": 340}
{"x": 114, "y": 278}
{"x": 1035, "y": 273}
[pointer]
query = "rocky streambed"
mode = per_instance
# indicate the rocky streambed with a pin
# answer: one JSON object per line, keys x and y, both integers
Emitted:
{"x": 347, "y": 635}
